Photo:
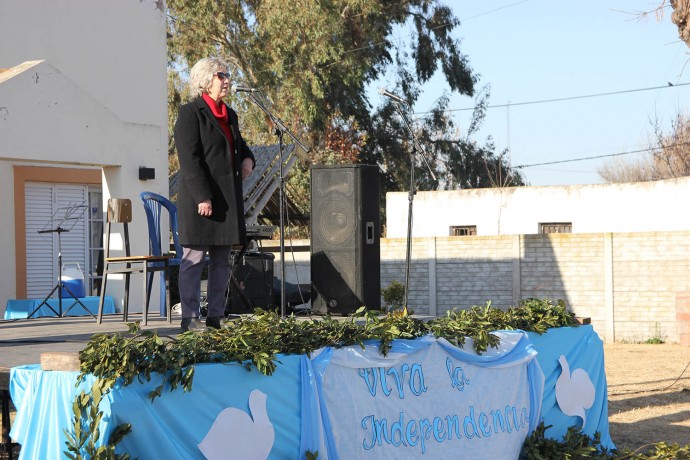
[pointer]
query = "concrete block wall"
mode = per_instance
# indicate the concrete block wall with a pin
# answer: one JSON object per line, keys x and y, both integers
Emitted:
{"x": 393, "y": 262}
{"x": 633, "y": 286}
{"x": 565, "y": 266}
{"x": 472, "y": 271}
{"x": 650, "y": 271}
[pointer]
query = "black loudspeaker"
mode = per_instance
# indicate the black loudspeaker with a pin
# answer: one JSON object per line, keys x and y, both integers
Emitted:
{"x": 345, "y": 238}
{"x": 254, "y": 276}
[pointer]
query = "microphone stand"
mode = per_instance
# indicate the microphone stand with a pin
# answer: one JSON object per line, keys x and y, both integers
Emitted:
{"x": 416, "y": 148}
{"x": 280, "y": 130}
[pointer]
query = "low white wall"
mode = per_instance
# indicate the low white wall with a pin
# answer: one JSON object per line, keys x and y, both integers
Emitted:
{"x": 633, "y": 207}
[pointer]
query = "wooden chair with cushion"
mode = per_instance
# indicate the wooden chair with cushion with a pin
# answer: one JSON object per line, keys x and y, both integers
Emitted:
{"x": 120, "y": 212}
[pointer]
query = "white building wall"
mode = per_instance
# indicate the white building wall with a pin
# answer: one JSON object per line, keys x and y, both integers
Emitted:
{"x": 50, "y": 120}
{"x": 86, "y": 88}
{"x": 634, "y": 207}
{"x": 114, "y": 51}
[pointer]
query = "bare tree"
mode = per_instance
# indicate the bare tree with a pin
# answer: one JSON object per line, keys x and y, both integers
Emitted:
{"x": 668, "y": 157}
{"x": 619, "y": 171}
{"x": 680, "y": 16}
{"x": 671, "y": 157}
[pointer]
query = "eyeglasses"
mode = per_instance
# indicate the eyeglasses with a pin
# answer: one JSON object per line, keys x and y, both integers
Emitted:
{"x": 222, "y": 75}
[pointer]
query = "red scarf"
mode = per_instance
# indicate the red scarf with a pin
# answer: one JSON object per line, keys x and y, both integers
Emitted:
{"x": 220, "y": 111}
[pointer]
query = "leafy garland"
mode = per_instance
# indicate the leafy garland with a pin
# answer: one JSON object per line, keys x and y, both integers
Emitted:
{"x": 82, "y": 440}
{"x": 577, "y": 445}
{"x": 256, "y": 342}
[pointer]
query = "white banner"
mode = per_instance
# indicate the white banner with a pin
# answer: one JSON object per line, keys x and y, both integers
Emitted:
{"x": 428, "y": 403}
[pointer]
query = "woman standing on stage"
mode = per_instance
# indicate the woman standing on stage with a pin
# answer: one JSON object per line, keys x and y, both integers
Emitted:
{"x": 214, "y": 159}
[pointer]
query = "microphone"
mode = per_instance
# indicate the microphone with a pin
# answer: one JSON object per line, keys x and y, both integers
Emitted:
{"x": 395, "y": 97}
{"x": 243, "y": 89}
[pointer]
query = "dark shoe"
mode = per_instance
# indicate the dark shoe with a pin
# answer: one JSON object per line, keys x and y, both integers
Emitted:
{"x": 213, "y": 322}
{"x": 190, "y": 324}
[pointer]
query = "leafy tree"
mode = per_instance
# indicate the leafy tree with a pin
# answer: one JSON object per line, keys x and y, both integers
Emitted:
{"x": 314, "y": 61}
{"x": 457, "y": 160}
{"x": 175, "y": 90}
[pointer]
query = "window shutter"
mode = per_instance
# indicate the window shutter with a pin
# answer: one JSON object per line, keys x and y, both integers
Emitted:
{"x": 48, "y": 207}
{"x": 39, "y": 246}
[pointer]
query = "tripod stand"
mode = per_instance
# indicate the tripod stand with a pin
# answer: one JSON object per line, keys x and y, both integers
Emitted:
{"x": 71, "y": 214}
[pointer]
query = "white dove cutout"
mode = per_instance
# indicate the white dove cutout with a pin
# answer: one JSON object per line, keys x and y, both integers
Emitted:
{"x": 574, "y": 392}
{"x": 236, "y": 435}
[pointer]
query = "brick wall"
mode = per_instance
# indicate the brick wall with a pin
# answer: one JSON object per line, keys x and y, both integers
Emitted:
{"x": 634, "y": 286}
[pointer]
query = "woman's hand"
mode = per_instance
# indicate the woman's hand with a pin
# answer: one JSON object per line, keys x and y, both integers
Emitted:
{"x": 247, "y": 165}
{"x": 205, "y": 208}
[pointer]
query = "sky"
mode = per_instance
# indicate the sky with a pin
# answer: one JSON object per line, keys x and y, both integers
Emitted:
{"x": 582, "y": 51}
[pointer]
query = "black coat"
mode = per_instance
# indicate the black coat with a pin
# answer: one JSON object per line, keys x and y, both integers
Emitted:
{"x": 207, "y": 172}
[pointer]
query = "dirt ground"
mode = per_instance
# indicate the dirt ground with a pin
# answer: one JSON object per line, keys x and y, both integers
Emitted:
{"x": 649, "y": 394}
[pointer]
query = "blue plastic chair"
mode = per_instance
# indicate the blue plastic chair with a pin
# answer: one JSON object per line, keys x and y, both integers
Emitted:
{"x": 154, "y": 205}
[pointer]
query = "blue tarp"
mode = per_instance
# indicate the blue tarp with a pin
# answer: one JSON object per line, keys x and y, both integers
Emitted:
{"x": 294, "y": 409}
{"x": 22, "y": 308}
{"x": 583, "y": 349}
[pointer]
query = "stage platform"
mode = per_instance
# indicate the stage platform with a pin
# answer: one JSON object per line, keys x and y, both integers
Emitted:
{"x": 23, "y": 340}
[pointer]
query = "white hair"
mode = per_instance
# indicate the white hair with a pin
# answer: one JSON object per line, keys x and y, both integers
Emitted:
{"x": 201, "y": 75}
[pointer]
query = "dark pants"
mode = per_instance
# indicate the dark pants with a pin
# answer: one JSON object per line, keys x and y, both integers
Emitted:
{"x": 190, "y": 279}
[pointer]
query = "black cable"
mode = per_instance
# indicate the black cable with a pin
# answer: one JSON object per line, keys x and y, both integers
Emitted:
{"x": 679, "y": 377}
{"x": 649, "y": 149}
{"x": 661, "y": 390}
{"x": 560, "y": 99}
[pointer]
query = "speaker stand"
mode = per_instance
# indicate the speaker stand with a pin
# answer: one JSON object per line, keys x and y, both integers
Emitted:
{"x": 281, "y": 224}
{"x": 416, "y": 149}
{"x": 280, "y": 129}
